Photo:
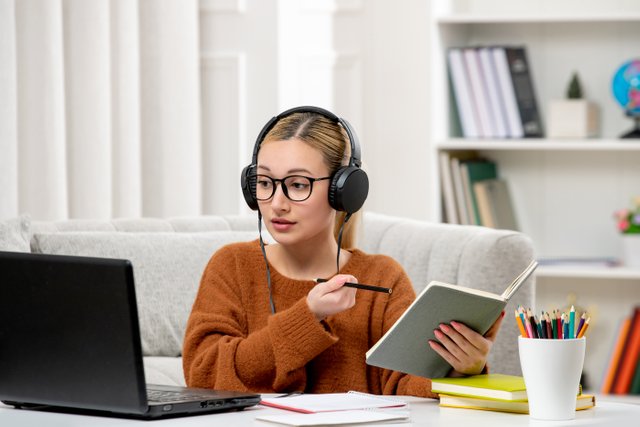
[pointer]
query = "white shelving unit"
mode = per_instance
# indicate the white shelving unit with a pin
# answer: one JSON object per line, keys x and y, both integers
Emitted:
{"x": 564, "y": 191}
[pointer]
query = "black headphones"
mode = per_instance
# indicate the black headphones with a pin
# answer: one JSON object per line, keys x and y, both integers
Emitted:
{"x": 349, "y": 184}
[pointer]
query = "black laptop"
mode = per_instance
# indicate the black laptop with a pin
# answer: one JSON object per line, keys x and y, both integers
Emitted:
{"x": 70, "y": 341}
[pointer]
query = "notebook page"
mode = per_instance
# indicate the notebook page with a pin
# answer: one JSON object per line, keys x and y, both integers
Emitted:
{"x": 335, "y": 418}
{"x": 312, "y": 403}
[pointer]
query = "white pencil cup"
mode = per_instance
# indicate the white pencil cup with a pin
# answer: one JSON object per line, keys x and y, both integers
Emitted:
{"x": 551, "y": 369}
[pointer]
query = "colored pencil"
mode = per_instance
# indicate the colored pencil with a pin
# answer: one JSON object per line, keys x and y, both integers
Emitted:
{"x": 549, "y": 329}
{"x": 585, "y": 325}
{"x": 572, "y": 323}
{"x": 582, "y": 318}
{"x": 523, "y": 333}
{"x": 534, "y": 325}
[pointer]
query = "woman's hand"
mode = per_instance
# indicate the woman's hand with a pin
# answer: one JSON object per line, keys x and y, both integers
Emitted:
{"x": 465, "y": 349}
{"x": 332, "y": 297}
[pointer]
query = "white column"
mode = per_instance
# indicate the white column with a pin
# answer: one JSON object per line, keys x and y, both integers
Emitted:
{"x": 8, "y": 112}
{"x": 41, "y": 116}
{"x": 87, "y": 80}
{"x": 170, "y": 105}
{"x": 125, "y": 109}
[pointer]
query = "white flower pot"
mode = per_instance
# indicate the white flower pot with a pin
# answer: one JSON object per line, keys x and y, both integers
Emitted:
{"x": 631, "y": 250}
{"x": 572, "y": 118}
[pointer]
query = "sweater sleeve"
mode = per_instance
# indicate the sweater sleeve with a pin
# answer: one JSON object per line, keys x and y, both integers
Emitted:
{"x": 219, "y": 351}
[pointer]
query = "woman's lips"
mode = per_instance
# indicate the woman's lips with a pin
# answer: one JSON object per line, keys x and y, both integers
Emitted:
{"x": 282, "y": 224}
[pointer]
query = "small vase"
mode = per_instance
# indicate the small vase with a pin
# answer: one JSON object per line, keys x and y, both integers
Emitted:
{"x": 631, "y": 250}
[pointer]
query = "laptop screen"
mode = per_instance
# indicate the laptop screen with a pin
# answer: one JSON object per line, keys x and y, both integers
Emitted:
{"x": 69, "y": 333}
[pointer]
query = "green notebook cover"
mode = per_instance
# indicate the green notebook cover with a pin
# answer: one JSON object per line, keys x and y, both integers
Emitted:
{"x": 635, "y": 385}
{"x": 492, "y": 386}
{"x": 474, "y": 171}
{"x": 405, "y": 346}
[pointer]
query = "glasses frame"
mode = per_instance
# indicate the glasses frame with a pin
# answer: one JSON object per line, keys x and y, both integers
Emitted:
{"x": 285, "y": 190}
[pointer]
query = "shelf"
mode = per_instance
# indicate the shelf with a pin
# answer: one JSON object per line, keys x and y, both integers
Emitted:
{"x": 540, "y": 145}
{"x": 587, "y": 272}
{"x": 536, "y": 19}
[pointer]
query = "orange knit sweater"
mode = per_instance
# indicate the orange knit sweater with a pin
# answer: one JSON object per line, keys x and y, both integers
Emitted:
{"x": 233, "y": 341}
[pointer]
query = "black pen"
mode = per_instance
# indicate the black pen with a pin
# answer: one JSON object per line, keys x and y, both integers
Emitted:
{"x": 361, "y": 286}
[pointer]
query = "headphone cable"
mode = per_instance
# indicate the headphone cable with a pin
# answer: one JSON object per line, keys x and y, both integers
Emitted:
{"x": 266, "y": 263}
{"x": 346, "y": 218}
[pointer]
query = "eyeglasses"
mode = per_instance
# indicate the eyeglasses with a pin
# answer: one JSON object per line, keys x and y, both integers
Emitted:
{"x": 297, "y": 188}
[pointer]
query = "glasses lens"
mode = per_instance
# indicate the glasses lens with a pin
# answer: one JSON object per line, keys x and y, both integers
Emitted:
{"x": 298, "y": 187}
{"x": 264, "y": 186}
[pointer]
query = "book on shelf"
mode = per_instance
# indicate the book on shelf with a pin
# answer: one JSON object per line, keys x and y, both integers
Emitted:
{"x": 328, "y": 402}
{"x": 493, "y": 386}
{"x": 495, "y": 207}
{"x": 496, "y": 102}
{"x": 629, "y": 358}
{"x": 517, "y": 91}
{"x": 462, "y": 94}
{"x": 635, "y": 383}
{"x": 450, "y": 209}
{"x": 493, "y": 92}
{"x": 479, "y": 95}
{"x": 583, "y": 401}
{"x": 522, "y": 81}
{"x": 405, "y": 346}
{"x": 616, "y": 355}
{"x": 465, "y": 215}
{"x": 473, "y": 171}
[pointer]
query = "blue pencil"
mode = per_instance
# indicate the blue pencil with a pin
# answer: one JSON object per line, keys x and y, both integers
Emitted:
{"x": 572, "y": 322}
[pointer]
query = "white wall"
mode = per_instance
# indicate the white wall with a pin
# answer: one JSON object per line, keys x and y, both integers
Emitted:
{"x": 126, "y": 121}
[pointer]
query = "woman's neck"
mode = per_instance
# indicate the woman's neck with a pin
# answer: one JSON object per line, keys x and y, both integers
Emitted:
{"x": 307, "y": 261}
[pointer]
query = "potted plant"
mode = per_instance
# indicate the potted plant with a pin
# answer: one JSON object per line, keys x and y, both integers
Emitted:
{"x": 628, "y": 223}
{"x": 573, "y": 117}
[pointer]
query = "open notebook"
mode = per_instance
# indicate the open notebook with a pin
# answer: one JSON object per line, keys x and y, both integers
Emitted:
{"x": 314, "y": 403}
{"x": 405, "y": 346}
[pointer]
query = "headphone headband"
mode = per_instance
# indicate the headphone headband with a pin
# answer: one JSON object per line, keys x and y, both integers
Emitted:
{"x": 354, "y": 158}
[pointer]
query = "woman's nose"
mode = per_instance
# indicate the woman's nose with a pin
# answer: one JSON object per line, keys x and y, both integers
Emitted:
{"x": 279, "y": 197}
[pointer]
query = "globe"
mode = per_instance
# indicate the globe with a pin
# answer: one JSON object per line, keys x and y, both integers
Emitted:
{"x": 626, "y": 90}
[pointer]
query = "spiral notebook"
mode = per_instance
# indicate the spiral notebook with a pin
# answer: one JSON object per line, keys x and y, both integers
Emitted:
{"x": 314, "y": 403}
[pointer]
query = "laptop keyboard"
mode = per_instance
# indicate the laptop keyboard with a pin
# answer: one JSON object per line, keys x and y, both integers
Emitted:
{"x": 162, "y": 396}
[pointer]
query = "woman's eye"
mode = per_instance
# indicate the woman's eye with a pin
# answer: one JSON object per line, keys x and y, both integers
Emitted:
{"x": 300, "y": 185}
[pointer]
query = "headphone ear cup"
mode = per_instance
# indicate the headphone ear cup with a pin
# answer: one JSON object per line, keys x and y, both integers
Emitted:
{"x": 348, "y": 189}
{"x": 249, "y": 187}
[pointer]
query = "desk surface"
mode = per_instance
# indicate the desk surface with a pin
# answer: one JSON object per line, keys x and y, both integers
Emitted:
{"x": 424, "y": 412}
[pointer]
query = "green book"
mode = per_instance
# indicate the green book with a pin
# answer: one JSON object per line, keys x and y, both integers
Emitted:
{"x": 405, "y": 346}
{"x": 635, "y": 384}
{"x": 492, "y": 386}
{"x": 473, "y": 171}
{"x": 583, "y": 401}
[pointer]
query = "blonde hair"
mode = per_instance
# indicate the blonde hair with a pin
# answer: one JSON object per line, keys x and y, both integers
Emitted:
{"x": 331, "y": 140}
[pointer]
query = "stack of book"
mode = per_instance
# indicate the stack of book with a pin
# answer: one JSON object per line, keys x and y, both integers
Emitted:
{"x": 622, "y": 375}
{"x": 494, "y": 93}
{"x": 472, "y": 192}
{"x": 492, "y": 392}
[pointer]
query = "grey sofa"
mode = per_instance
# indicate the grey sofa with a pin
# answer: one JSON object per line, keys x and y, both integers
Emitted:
{"x": 169, "y": 256}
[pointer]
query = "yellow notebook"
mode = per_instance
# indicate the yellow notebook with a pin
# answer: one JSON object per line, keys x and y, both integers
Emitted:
{"x": 583, "y": 401}
{"x": 493, "y": 386}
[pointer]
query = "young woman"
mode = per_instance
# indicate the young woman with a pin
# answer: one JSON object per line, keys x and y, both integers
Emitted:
{"x": 260, "y": 322}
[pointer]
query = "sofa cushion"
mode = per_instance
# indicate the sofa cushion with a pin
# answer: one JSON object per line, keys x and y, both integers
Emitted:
{"x": 15, "y": 234}
{"x": 167, "y": 269}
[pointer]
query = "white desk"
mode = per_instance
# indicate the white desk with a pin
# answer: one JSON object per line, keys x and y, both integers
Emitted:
{"x": 424, "y": 412}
